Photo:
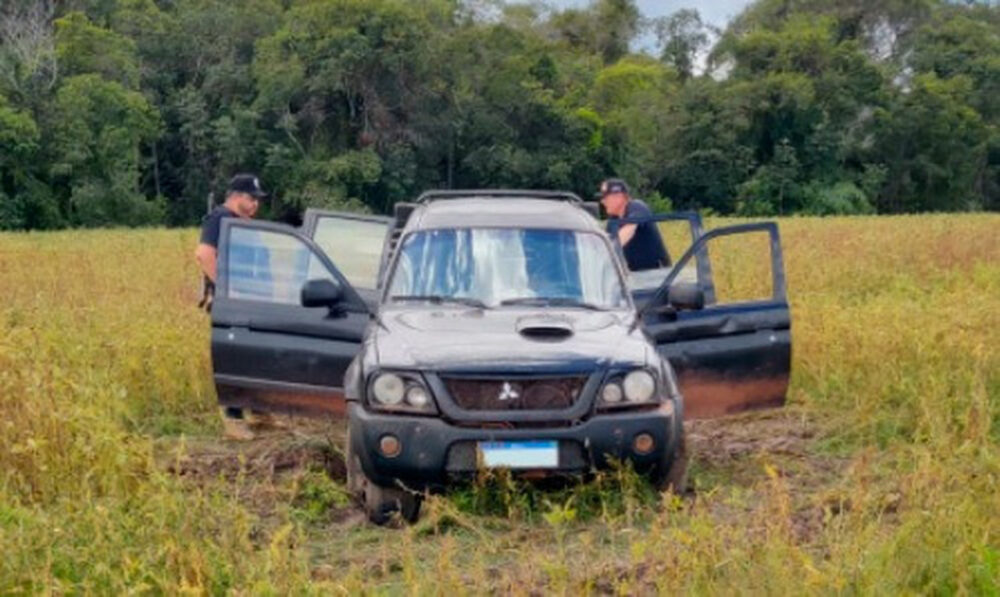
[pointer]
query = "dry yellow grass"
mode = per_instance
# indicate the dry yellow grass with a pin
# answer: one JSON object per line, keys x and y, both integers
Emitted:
{"x": 881, "y": 477}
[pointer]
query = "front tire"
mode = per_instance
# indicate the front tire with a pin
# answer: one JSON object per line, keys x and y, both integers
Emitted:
{"x": 380, "y": 503}
{"x": 672, "y": 472}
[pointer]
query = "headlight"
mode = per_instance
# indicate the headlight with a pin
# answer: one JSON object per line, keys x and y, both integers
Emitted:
{"x": 400, "y": 391}
{"x": 639, "y": 386}
{"x": 388, "y": 389}
{"x": 417, "y": 396}
{"x": 624, "y": 389}
{"x": 612, "y": 393}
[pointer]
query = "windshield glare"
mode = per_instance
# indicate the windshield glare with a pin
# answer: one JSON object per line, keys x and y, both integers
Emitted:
{"x": 493, "y": 265}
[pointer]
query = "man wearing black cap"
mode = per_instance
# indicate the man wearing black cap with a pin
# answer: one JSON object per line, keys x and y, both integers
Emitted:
{"x": 242, "y": 200}
{"x": 641, "y": 243}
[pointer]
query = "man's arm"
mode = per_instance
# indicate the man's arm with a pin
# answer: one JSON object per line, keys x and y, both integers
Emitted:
{"x": 205, "y": 255}
{"x": 626, "y": 233}
{"x": 207, "y": 251}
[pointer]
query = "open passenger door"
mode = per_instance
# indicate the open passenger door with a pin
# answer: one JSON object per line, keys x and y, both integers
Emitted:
{"x": 729, "y": 356}
{"x": 269, "y": 351}
{"x": 644, "y": 284}
{"x": 356, "y": 242}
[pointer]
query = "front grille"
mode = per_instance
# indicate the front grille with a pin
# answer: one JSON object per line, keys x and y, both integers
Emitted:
{"x": 497, "y": 394}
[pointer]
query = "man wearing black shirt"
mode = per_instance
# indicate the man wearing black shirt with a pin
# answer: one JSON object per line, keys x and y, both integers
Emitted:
{"x": 641, "y": 243}
{"x": 242, "y": 200}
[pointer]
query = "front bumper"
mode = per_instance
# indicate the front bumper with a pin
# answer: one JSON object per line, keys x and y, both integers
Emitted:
{"x": 435, "y": 452}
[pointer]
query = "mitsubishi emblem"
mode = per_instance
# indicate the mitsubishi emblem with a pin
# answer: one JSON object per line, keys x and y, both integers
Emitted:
{"x": 507, "y": 392}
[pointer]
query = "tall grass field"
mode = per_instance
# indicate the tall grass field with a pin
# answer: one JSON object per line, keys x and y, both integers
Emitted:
{"x": 881, "y": 476}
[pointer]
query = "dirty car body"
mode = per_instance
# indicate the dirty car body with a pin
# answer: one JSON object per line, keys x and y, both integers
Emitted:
{"x": 518, "y": 371}
{"x": 490, "y": 329}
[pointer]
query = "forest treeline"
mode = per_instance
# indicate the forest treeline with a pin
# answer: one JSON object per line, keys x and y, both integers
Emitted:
{"x": 130, "y": 112}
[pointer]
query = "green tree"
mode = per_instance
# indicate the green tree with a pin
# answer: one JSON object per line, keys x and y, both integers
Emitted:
{"x": 99, "y": 128}
{"x": 636, "y": 100}
{"x": 965, "y": 41}
{"x": 682, "y": 37}
{"x": 344, "y": 75}
{"x": 803, "y": 87}
{"x": 517, "y": 115}
{"x": 126, "y": 111}
{"x": 24, "y": 202}
{"x": 82, "y": 47}
{"x": 775, "y": 188}
{"x": 28, "y": 66}
{"x": 933, "y": 145}
{"x": 194, "y": 60}
{"x": 605, "y": 28}
{"x": 708, "y": 152}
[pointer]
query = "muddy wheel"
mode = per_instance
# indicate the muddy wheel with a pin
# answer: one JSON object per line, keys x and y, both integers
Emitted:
{"x": 672, "y": 475}
{"x": 355, "y": 476}
{"x": 380, "y": 503}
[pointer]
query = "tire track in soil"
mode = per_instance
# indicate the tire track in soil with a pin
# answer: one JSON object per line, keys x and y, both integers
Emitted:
{"x": 728, "y": 450}
{"x": 734, "y": 451}
{"x": 265, "y": 470}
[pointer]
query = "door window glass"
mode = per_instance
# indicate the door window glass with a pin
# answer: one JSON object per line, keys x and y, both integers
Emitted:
{"x": 354, "y": 245}
{"x": 741, "y": 267}
{"x": 270, "y": 266}
{"x": 742, "y": 270}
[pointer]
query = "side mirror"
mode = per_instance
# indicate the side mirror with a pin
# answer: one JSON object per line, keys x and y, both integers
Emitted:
{"x": 321, "y": 293}
{"x": 686, "y": 296}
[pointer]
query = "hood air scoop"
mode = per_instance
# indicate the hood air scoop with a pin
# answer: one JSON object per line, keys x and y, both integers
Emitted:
{"x": 544, "y": 328}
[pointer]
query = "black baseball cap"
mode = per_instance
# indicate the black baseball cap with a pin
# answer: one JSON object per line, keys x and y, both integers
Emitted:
{"x": 247, "y": 183}
{"x": 612, "y": 185}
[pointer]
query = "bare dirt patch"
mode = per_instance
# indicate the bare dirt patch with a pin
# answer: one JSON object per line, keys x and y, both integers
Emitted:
{"x": 266, "y": 470}
{"x": 299, "y": 444}
{"x": 766, "y": 451}
{"x": 723, "y": 440}
{"x": 727, "y": 452}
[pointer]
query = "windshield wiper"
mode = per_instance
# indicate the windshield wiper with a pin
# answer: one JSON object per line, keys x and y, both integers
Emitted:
{"x": 437, "y": 299}
{"x": 551, "y": 301}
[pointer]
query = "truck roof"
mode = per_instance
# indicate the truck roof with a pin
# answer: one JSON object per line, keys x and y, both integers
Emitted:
{"x": 507, "y": 212}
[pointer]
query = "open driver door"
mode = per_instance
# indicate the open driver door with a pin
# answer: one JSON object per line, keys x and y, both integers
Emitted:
{"x": 286, "y": 323}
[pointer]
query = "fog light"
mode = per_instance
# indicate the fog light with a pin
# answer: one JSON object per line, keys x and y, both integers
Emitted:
{"x": 643, "y": 443}
{"x": 389, "y": 446}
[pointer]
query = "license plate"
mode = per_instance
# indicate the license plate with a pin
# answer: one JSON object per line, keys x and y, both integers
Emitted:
{"x": 530, "y": 454}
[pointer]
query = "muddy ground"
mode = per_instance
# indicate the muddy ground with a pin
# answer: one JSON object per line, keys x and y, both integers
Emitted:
{"x": 729, "y": 452}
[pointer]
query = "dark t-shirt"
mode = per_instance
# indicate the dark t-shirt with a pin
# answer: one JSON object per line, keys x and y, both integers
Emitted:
{"x": 212, "y": 223}
{"x": 646, "y": 249}
{"x": 249, "y": 262}
{"x": 210, "y": 228}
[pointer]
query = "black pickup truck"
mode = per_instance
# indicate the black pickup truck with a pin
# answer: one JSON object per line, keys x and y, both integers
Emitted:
{"x": 482, "y": 329}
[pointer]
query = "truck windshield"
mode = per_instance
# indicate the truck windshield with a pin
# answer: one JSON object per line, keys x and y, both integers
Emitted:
{"x": 506, "y": 267}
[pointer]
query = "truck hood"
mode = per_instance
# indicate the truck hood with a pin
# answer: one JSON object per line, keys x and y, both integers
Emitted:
{"x": 508, "y": 340}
